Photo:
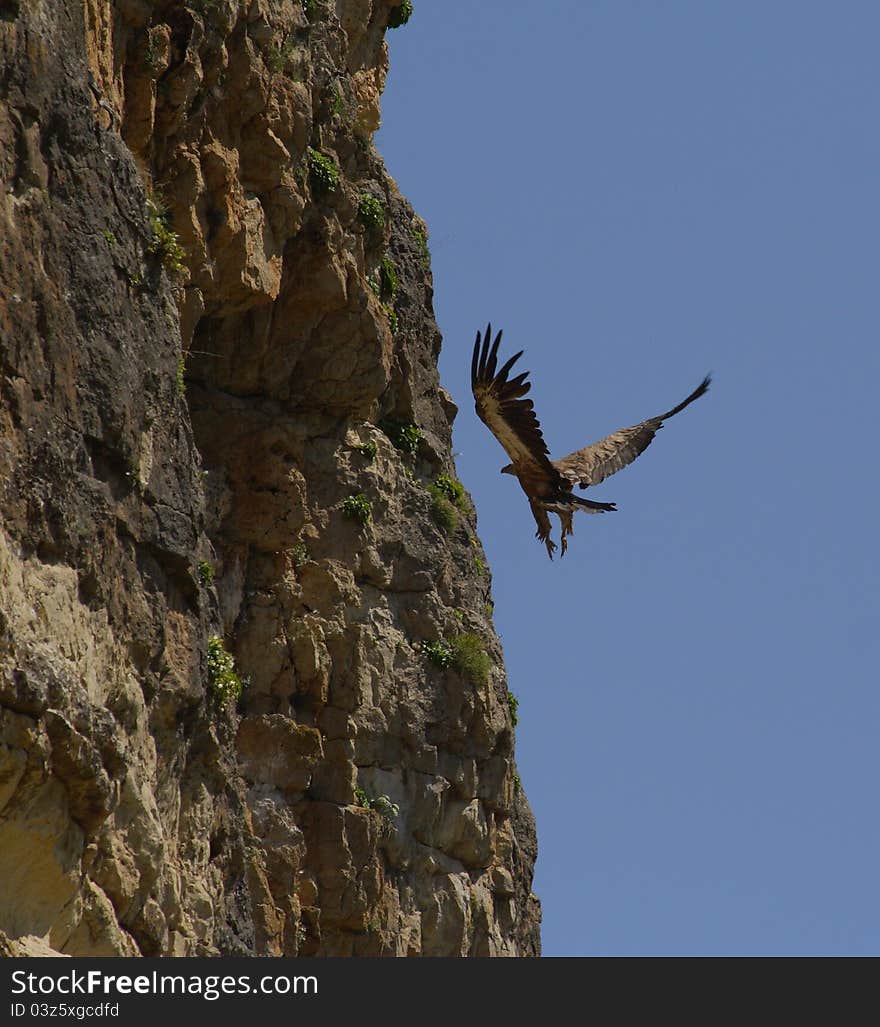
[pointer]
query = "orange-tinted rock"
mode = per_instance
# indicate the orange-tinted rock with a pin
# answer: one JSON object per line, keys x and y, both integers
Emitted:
{"x": 176, "y": 452}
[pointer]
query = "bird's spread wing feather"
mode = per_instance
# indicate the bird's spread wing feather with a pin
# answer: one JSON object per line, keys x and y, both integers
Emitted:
{"x": 510, "y": 418}
{"x": 595, "y": 463}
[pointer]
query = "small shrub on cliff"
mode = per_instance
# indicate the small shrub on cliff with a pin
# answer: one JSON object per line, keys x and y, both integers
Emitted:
{"x": 323, "y": 173}
{"x": 470, "y": 658}
{"x": 371, "y": 213}
{"x": 382, "y": 804}
{"x": 164, "y": 242}
{"x": 337, "y": 103}
{"x": 388, "y": 280}
{"x": 301, "y": 555}
{"x": 403, "y": 436}
{"x": 367, "y": 450}
{"x": 391, "y": 314}
{"x": 452, "y": 489}
{"x": 464, "y": 653}
{"x": 479, "y": 566}
{"x": 400, "y": 14}
{"x": 439, "y": 653}
{"x": 447, "y": 499}
{"x": 310, "y": 9}
{"x": 443, "y": 512}
{"x": 420, "y": 238}
{"x": 357, "y": 508}
{"x": 206, "y": 572}
{"x": 225, "y": 683}
{"x": 278, "y": 56}
{"x": 179, "y": 376}
{"x": 447, "y": 494}
{"x": 513, "y": 706}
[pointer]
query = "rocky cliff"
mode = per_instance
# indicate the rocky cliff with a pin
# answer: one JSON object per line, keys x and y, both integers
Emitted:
{"x": 251, "y": 698}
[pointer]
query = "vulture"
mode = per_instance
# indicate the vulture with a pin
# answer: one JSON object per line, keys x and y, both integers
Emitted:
{"x": 547, "y": 483}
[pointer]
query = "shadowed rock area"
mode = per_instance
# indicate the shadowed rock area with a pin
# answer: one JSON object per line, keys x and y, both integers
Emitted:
{"x": 226, "y": 467}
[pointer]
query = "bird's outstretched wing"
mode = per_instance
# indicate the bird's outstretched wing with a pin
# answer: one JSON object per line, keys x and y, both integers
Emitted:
{"x": 511, "y": 419}
{"x": 595, "y": 463}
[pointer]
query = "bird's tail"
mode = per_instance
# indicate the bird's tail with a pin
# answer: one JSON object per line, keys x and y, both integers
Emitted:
{"x": 590, "y": 505}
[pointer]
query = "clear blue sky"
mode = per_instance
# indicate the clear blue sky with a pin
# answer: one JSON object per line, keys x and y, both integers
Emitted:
{"x": 639, "y": 193}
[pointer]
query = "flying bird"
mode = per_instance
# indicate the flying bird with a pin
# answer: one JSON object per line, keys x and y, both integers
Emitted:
{"x": 547, "y": 483}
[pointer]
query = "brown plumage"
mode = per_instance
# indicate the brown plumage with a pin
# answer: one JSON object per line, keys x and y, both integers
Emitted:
{"x": 548, "y": 484}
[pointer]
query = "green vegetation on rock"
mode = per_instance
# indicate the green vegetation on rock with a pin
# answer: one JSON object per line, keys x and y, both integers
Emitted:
{"x": 400, "y": 14}
{"x": 371, "y": 213}
{"x": 367, "y": 449}
{"x": 463, "y": 653}
{"x": 404, "y": 436}
{"x": 357, "y": 508}
{"x": 513, "y": 706}
{"x": 164, "y": 242}
{"x": 439, "y": 653}
{"x": 223, "y": 679}
{"x": 420, "y": 238}
{"x": 388, "y": 279}
{"x": 278, "y": 56}
{"x": 470, "y": 658}
{"x": 444, "y": 513}
{"x": 447, "y": 498}
{"x": 393, "y": 320}
{"x": 452, "y": 489}
{"x": 382, "y": 804}
{"x": 323, "y": 173}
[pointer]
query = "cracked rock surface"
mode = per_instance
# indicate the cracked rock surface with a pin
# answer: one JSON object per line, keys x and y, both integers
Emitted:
{"x": 220, "y": 416}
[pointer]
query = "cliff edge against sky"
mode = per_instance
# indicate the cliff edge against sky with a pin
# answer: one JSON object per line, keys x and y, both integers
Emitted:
{"x": 226, "y": 467}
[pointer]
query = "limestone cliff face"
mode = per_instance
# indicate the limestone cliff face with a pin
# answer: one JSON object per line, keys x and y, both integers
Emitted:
{"x": 221, "y": 429}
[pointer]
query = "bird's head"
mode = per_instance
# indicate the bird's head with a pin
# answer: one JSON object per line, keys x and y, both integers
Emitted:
{"x": 508, "y": 470}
